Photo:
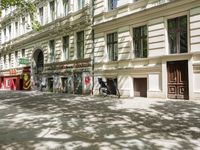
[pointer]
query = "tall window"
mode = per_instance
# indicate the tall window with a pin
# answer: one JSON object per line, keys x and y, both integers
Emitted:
{"x": 41, "y": 15}
{"x": 9, "y": 29}
{"x": 9, "y": 60}
{"x": 4, "y": 61}
{"x": 112, "y": 46}
{"x": 16, "y": 58}
{"x": 140, "y": 41}
{"x": 112, "y": 4}
{"x": 5, "y": 36}
{"x": 52, "y": 10}
{"x": 16, "y": 29}
{"x": 177, "y": 35}
{"x": 81, "y": 4}
{"x": 65, "y": 47}
{"x": 23, "y": 25}
{"x": 80, "y": 44}
{"x": 52, "y": 50}
{"x": 66, "y": 6}
{"x": 23, "y": 53}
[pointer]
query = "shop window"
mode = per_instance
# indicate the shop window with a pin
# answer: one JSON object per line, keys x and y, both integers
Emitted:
{"x": 140, "y": 41}
{"x": 65, "y": 47}
{"x": 80, "y": 44}
{"x": 112, "y": 46}
{"x": 177, "y": 35}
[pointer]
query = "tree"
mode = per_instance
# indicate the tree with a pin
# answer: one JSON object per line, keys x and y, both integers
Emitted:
{"x": 24, "y": 6}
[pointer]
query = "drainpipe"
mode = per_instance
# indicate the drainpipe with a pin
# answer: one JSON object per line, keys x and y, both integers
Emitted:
{"x": 92, "y": 47}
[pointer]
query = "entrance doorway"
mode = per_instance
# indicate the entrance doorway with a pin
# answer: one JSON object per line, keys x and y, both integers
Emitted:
{"x": 50, "y": 84}
{"x": 140, "y": 87}
{"x": 65, "y": 85}
{"x": 78, "y": 86}
{"x": 178, "y": 79}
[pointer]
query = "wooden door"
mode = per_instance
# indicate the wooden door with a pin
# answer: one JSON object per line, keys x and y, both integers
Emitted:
{"x": 178, "y": 80}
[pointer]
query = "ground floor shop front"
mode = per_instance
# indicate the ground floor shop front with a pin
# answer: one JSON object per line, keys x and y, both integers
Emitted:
{"x": 167, "y": 78}
{"x": 16, "y": 79}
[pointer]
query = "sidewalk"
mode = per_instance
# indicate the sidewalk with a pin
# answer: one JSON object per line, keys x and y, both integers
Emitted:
{"x": 49, "y": 121}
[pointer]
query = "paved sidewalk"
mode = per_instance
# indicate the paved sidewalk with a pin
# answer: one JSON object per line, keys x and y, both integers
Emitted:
{"x": 48, "y": 121}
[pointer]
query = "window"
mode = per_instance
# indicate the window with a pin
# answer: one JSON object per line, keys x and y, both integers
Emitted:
{"x": 140, "y": 41}
{"x": 41, "y": 15}
{"x": 112, "y": 4}
{"x": 9, "y": 29}
{"x": 9, "y": 60}
{"x": 23, "y": 24}
{"x": 5, "y": 37}
{"x": 52, "y": 50}
{"x": 52, "y": 10}
{"x": 16, "y": 28}
{"x": 80, "y": 44}
{"x": 177, "y": 35}
{"x": 65, "y": 47}
{"x": 112, "y": 46}
{"x": 4, "y": 59}
{"x": 23, "y": 53}
{"x": 81, "y": 4}
{"x": 16, "y": 58}
{"x": 66, "y": 6}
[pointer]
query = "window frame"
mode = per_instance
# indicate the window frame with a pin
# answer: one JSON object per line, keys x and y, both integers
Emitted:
{"x": 52, "y": 12}
{"x": 65, "y": 47}
{"x": 66, "y": 7}
{"x": 140, "y": 52}
{"x": 52, "y": 53}
{"x": 112, "y": 44}
{"x": 111, "y": 4}
{"x": 80, "y": 53}
{"x": 41, "y": 15}
{"x": 178, "y": 34}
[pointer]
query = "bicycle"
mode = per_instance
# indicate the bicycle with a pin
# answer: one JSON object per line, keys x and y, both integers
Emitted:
{"x": 105, "y": 90}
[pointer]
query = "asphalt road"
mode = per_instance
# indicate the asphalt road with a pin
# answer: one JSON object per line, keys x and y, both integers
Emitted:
{"x": 49, "y": 121}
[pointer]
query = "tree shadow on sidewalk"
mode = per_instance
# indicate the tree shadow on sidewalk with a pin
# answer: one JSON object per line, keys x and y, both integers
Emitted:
{"x": 57, "y": 121}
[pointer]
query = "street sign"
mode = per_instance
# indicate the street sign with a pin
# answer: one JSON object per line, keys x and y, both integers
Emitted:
{"x": 23, "y": 61}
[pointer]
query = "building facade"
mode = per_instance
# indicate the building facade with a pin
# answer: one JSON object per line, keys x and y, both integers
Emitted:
{"x": 148, "y": 48}
{"x": 58, "y": 56}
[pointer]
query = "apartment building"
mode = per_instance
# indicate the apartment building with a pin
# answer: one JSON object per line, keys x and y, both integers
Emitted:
{"x": 149, "y": 48}
{"x": 57, "y": 56}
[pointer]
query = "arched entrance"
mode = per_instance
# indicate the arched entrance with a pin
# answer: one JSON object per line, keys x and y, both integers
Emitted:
{"x": 37, "y": 68}
{"x": 38, "y": 63}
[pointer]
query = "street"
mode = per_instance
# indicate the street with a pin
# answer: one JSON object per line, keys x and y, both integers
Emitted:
{"x": 50, "y": 121}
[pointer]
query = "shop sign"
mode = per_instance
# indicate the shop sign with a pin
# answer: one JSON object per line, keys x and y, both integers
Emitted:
{"x": 23, "y": 61}
{"x": 13, "y": 71}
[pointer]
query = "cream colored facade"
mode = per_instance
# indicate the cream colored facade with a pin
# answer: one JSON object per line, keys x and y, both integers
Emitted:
{"x": 17, "y": 35}
{"x": 155, "y": 14}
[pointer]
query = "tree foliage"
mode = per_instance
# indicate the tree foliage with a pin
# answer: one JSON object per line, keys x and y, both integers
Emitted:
{"x": 24, "y": 6}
